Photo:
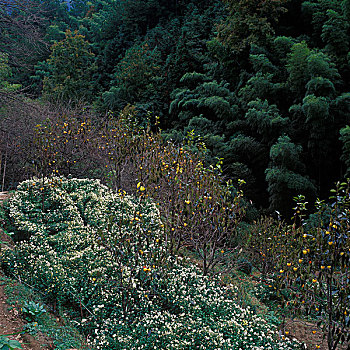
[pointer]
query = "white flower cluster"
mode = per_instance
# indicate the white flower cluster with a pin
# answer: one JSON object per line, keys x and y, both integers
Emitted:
{"x": 103, "y": 254}
{"x": 190, "y": 311}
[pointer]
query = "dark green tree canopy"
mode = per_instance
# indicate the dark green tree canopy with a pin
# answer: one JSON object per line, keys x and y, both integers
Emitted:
{"x": 264, "y": 84}
{"x": 71, "y": 67}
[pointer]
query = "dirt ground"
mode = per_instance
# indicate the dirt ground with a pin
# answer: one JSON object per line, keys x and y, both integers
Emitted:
{"x": 3, "y": 195}
{"x": 307, "y": 333}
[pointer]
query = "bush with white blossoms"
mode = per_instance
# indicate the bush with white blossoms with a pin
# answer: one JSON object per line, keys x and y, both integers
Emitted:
{"x": 102, "y": 257}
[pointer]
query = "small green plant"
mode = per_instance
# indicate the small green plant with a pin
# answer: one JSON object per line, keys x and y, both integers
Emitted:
{"x": 32, "y": 309}
{"x": 8, "y": 344}
{"x": 31, "y": 328}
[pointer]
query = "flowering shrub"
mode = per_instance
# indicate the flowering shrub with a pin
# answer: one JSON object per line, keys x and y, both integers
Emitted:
{"x": 102, "y": 256}
{"x": 196, "y": 313}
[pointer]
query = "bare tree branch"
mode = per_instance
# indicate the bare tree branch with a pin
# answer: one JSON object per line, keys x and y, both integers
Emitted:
{"x": 22, "y": 30}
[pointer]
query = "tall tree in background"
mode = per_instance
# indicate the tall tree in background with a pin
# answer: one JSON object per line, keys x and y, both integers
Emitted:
{"x": 71, "y": 67}
{"x": 5, "y": 75}
{"x": 249, "y": 21}
{"x": 134, "y": 79}
{"x": 286, "y": 175}
{"x": 314, "y": 79}
{"x": 345, "y": 138}
{"x": 225, "y": 72}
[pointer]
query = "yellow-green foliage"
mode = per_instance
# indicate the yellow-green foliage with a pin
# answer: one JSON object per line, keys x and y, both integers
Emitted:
{"x": 71, "y": 66}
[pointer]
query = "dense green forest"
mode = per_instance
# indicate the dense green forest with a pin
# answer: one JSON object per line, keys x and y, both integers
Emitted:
{"x": 265, "y": 85}
{"x": 169, "y": 164}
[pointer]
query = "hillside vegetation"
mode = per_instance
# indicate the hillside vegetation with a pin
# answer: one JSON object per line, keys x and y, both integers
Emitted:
{"x": 264, "y": 84}
{"x": 102, "y": 257}
{"x": 159, "y": 151}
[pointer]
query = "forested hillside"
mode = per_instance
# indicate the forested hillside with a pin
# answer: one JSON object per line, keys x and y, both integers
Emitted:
{"x": 177, "y": 173}
{"x": 265, "y": 85}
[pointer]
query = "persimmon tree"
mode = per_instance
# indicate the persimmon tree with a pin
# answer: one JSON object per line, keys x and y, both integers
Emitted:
{"x": 314, "y": 266}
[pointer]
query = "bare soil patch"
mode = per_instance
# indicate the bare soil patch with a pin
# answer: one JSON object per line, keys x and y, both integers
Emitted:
{"x": 4, "y": 195}
{"x": 307, "y": 333}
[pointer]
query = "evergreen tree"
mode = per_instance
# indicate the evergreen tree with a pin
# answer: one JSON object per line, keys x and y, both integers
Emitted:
{"x": 71, "y": 67}
{"x": 5, "y": 75}
{"x": 249, "y": 21}
{"x": 297, "y": 68}
{"x": 335, "y": 34}
{"x": 285, "y": 175}
{"x": 134, "y": 79}
{"x": 345, "y": 139}
{"x": 265, "y": 120}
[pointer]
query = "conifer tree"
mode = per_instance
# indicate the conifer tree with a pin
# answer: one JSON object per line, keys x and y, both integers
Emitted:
{"x": 249, "y": 22}
{"x": 285, "y": 175}
{"x": 71, "y": 68}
